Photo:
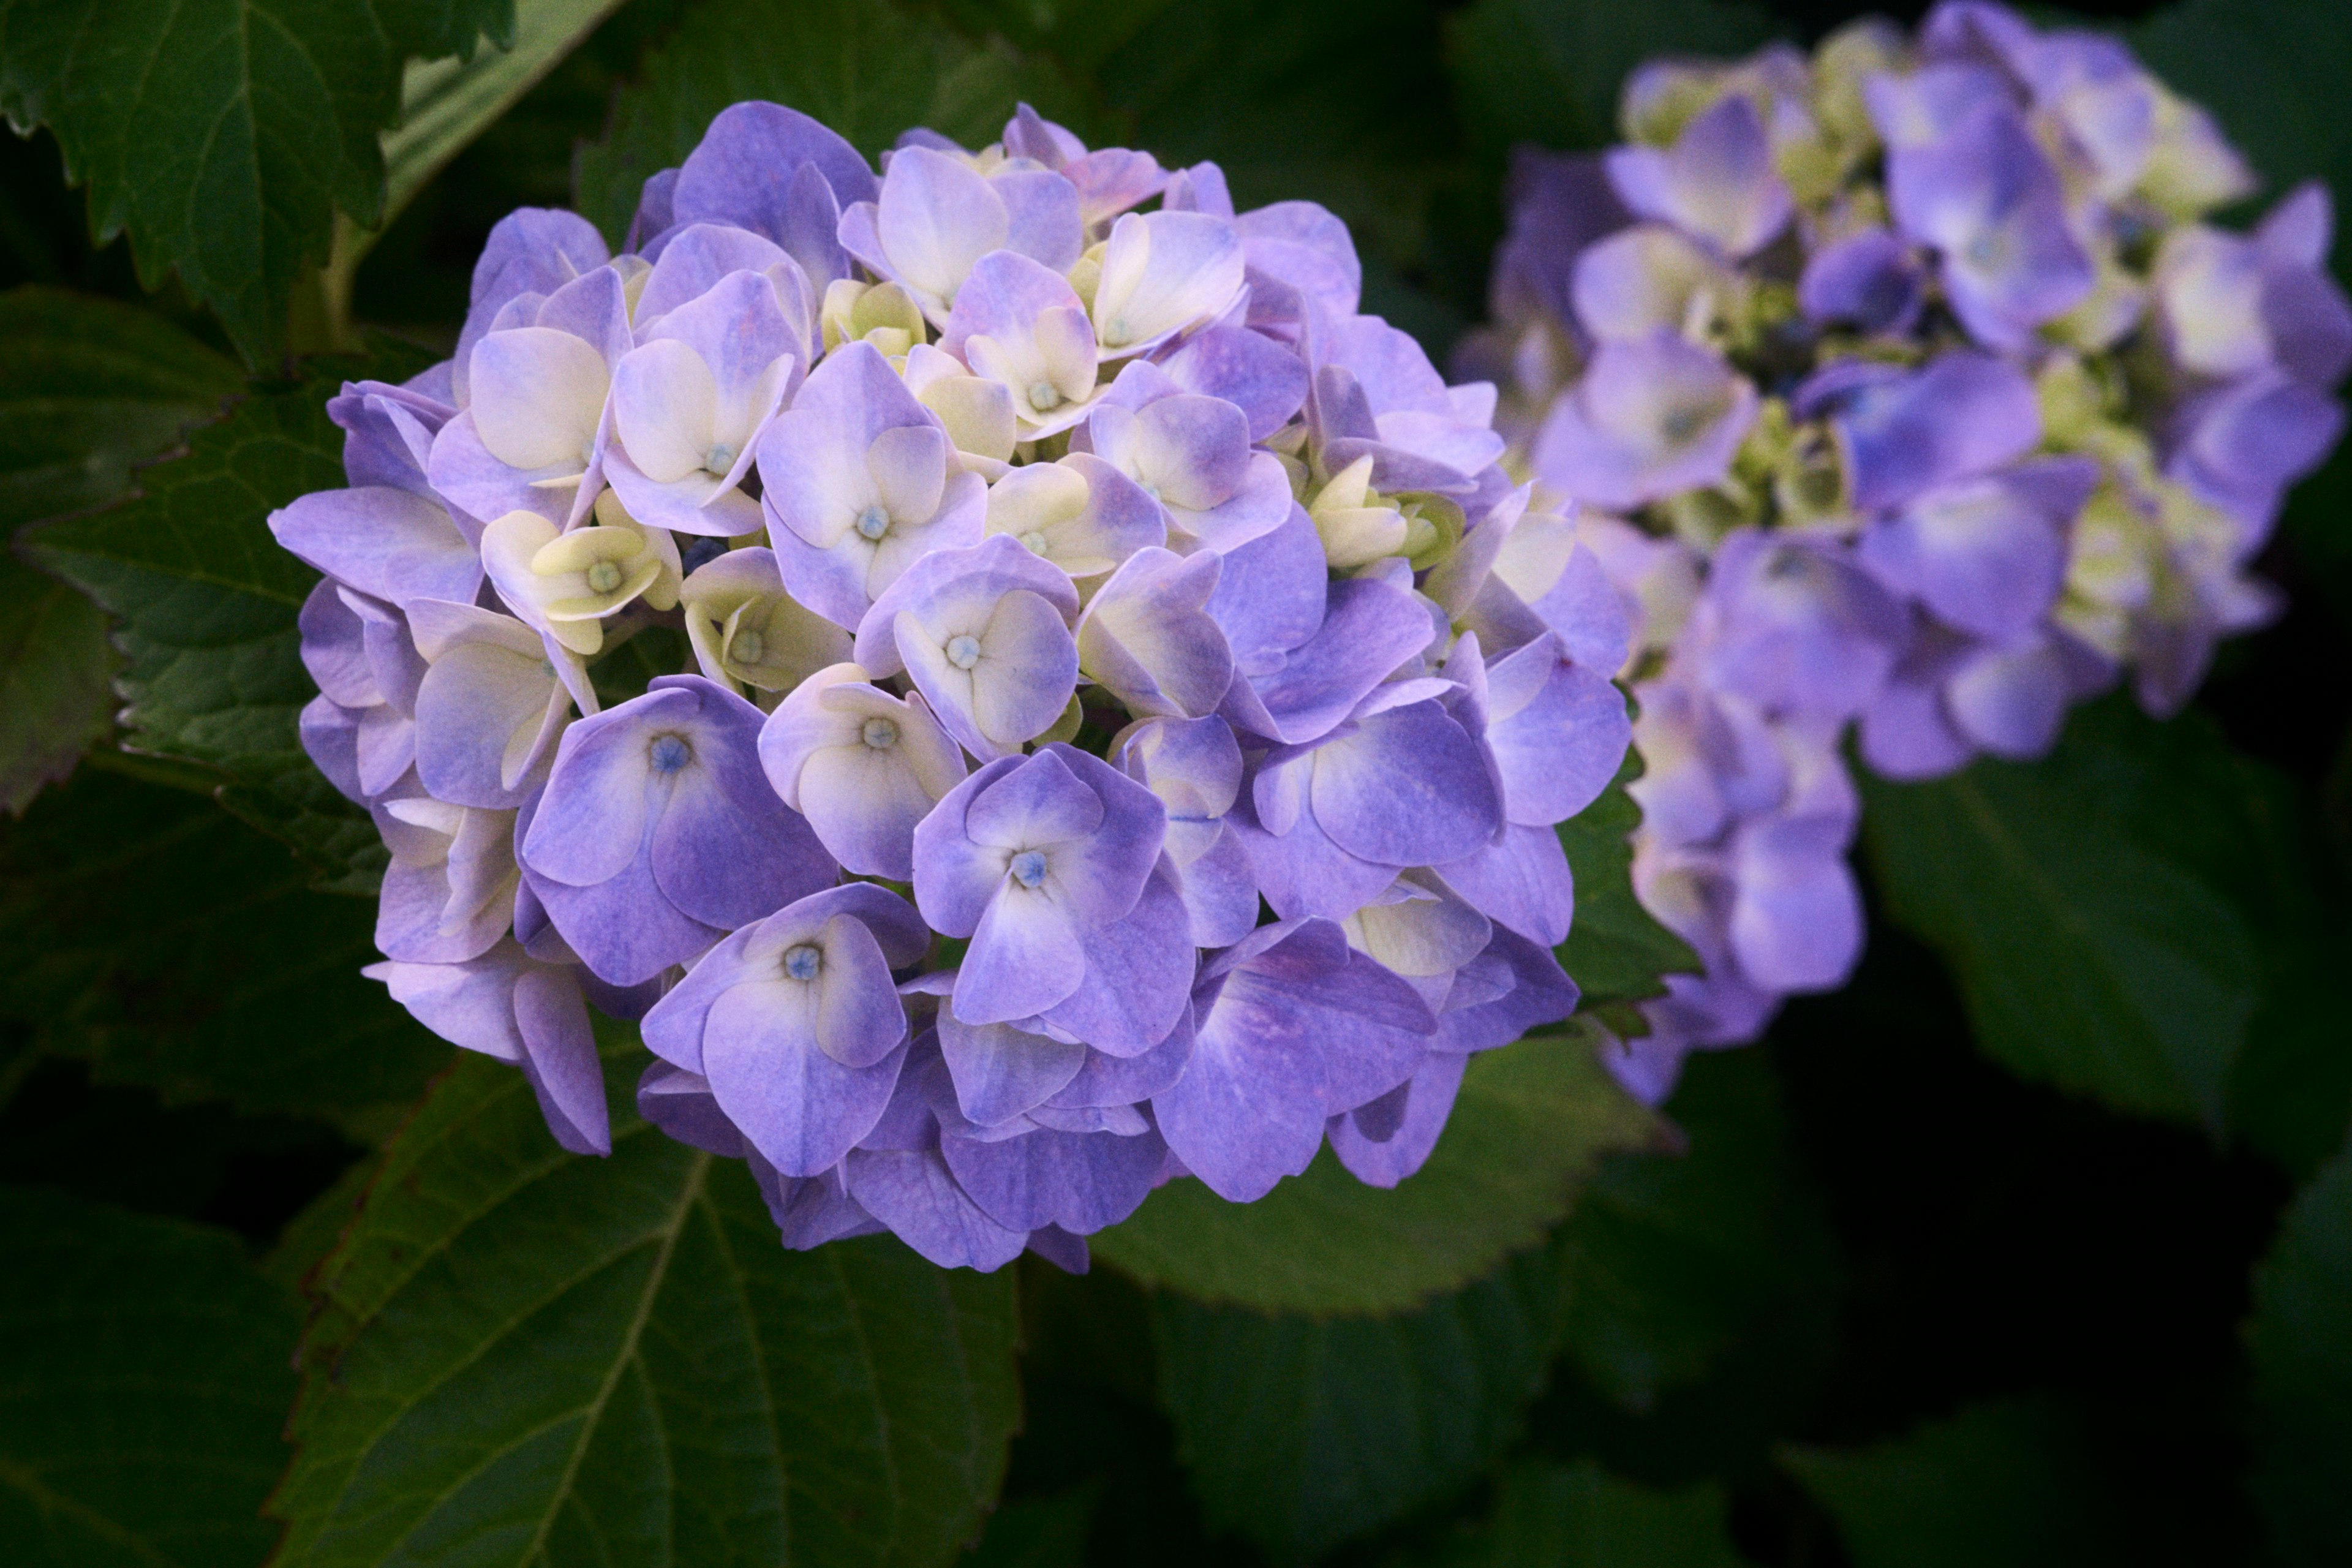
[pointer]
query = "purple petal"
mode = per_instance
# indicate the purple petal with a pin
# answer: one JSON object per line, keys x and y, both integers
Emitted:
{"x": 799, "y": 1107}
{"x": 1428, "y": 1100}
{"x": 1139, "y": 973}
{"x": 1080, "y": 1181}
{"x": 1368, "y": 629}
{"x": 913, "y": 1193}
{"x": 1904, "y": 434}
{"x": 742, "y": 170}
{"x": 1405, "y": 787}
{"x": 560, "y": 1060}
{"x": 388, "y": 543}
{"x": 1001, "y": 1070}
{"x": 1025, "y": 955}
{"x": 1521, "y": 881}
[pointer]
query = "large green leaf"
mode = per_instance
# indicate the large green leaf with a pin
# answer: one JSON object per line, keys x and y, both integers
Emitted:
{"x": 87, "y": 387}
{"x": 866, "y": 68}
{"x": 142, "y": 1382}
{"x": 2017, "y": 1482}
{"x": 2301, "y": 1343}
{"x": 1532, "y": 1119}
{"x": 522, "y": 1357}
{"x": 204, "y": 603}
{"x": 1678, "y": 1260}
{"x": 149, "y": 932}
{"x": 2101, "y": 908}
{"x": 225, "y": 135}
{"x": 1301, "y": 1432}
{"x": 1616, "y": 950}
{"x": 1547, "y": 1516}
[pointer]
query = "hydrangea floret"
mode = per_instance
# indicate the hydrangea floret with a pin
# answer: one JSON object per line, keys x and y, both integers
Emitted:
{"x": 996, "y": 665}
{"x": 1905, "y": 388}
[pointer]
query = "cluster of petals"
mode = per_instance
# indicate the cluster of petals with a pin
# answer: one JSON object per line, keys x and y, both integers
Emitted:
{"x": 1016, "y": 688}
{"x": 1905, "y": 388}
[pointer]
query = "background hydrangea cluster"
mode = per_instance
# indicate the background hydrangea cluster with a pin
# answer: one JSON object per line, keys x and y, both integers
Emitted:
{"x": 1904, "y": 386}
{"x": 1061, "y": 586}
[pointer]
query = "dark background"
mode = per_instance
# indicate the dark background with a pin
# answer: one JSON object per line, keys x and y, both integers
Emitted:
{"x": 1937, "y": 1235}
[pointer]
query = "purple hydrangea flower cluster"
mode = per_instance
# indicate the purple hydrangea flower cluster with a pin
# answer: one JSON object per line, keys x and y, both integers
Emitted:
{"x": 1109, "y": 751}
{"x": 1905, "y": 387}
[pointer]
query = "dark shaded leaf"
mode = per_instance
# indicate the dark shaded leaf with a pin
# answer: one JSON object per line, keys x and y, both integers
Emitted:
{"x": 172, "y": 946}
{"x": 54, "y": 699}
{"x": 1325, "y": 100}
{"x": 225, "y": 135}
{"x": 2015, "y": 1482}
{"x": 1677, "y": 1260}
{"x": 1548, "y": 71}
{"x": 1302, "y": 1432}
{"x": 1531, "y": 1121}
{"x": 1036, "y": 1532}
{"x": 1548, "y": 1514}
{"x": 866, "y": 67}
{"x": 87, "y": 387}
{"x": 2300, "y": 1341}
{"x": 142, "y": 1383}
{"x": 521, "y": 1356}
{"x": 204, "y": 603}
{"x": 2100, "y": 909}
{"x": 2275, "y": 75}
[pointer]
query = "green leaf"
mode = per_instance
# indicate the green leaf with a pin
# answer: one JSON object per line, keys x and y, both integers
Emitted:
{"x": 54, "y": 691}
{"x": 444, "y": 104}
{"x": 2300, "y": 1342}
{"x": 170, "y": 945}
{"x": 1616, "y": 950}
{"x": 866, "y": 68}
{"x": 87, "y": 387}
{"x": 225, "y": 135}
{"x": 1677, "y": 1260}
{"x": 1546, "y": 1515}
{"x": 1301, "y": 1432}
{"x": 143, "y": 1384}
{"x": 204, "y": 603}
{"x": 1531, "y": 1121}
{"x": 1037, "y": 1532}
{"x": 2100, "y": 909}
{"x": 521, "y": 1356}
{"x": 1548, "y": 71}
{"x": 2015, "y": 1482}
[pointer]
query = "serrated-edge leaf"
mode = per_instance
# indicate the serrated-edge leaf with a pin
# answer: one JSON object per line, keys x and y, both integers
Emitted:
{"x": 225, "y": 135}
{"x": 204, "y": 604}
{"x": 568, "y": 1360}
